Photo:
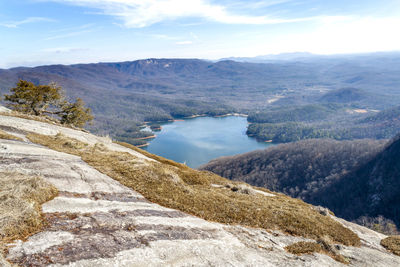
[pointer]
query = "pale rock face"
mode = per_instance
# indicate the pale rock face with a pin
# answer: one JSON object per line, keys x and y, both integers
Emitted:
{"x": 96, "y": 221}
{"x": 4, "y": 110}
{"x": 20, "y": 124}
{"x": 40, "y": 242}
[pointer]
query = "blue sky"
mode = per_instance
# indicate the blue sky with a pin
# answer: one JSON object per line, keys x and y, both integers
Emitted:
{"x": 36, "y": 32}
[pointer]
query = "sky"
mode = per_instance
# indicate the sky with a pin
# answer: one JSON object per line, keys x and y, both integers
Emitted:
{"x": 38, "y": 32}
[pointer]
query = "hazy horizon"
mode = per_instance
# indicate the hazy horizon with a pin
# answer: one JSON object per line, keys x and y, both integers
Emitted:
{"x": 43, "y": 32}
{"x": 38, "y": 64}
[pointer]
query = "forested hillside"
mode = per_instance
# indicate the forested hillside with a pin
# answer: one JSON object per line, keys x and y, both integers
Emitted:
{"x": 357, "y": 180}
{"x": 345, "y": 95}
{"x": 126, "y": 94}
{"x": 336, "y": 121}
{"x": 305, "y": 113}
{"x": 372, "y": 189}
{"x": 299, "y": 169}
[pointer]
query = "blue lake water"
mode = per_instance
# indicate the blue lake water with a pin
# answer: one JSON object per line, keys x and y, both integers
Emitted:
{"x": 199, "y": 140}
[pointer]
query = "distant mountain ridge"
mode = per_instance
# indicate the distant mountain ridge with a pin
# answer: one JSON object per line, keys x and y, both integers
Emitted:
{"x": 123, "y": 95}
{"x": 307, "y": 56}
{"x": 275, "y": 57}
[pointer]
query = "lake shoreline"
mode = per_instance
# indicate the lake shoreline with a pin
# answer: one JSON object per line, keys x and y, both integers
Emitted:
{"x": 148, "y": 123}
{"x": 203, "y": 138}
{"x": 217, "y": 116}
{"x": 147, "y": 137}
{"x": 143, "y": 145}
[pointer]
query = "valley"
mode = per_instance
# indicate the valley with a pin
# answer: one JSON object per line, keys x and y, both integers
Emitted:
{"x": 335, "y": 114}
{"x": 154, "y": 90}
{"x": 177, "y": 133}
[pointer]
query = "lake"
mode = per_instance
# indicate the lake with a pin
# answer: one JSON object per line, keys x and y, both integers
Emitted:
{"x": 197, "y": 141}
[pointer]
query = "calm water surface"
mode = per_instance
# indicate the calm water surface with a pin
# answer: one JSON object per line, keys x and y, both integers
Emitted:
{"x": 199, "y": 140}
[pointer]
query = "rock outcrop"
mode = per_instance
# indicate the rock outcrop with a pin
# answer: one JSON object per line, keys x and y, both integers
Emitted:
{"x": 96, "y": 221}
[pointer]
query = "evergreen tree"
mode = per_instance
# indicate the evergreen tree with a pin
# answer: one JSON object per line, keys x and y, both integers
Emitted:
{"x": 49, "y": 99}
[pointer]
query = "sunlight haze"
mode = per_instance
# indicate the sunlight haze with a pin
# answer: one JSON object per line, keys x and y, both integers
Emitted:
{"x": 37, "y": 32}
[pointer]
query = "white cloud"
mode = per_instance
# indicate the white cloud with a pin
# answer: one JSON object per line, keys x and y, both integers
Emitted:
{"x": 184, "y": 43}
{"x": 259, "y": 4}
{"x": 60, "y": 50}
{"x": 163, "y": 37}
{"x": 194, "y": 36}
{"x": 15, "y": 24}
{"x": 67, "y": 35}
{"x": 72, "y": 29}
{"x": 330, "y": 35}
{"x": 353, "y": 35}
{"x": 140, "y": 13}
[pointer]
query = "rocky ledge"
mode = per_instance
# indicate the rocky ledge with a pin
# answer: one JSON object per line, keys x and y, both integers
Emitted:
{"x": 96, "y": 221}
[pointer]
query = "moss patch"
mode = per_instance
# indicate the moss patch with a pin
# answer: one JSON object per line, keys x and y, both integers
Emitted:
{"x": 392, "y": 243}
{"x": 178, "y": 187}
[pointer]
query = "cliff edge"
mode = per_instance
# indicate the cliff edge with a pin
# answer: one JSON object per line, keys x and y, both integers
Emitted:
{"x": 120, "y": 206}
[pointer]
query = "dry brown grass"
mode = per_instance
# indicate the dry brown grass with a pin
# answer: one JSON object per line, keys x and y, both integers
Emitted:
{"x": 301, "y": 248}
{"x": 392, "y": 243}
{"x": 7, "y": 136}
{"x": 177, "y": 186}
{"x": 152, "y": 156}
{"x": 322, "y": 247}
{"x": 20, "y": 200}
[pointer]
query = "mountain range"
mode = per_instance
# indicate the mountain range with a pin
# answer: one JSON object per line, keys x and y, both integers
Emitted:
{"x": 71, "y": 197}
{"x": 125, "y": 94}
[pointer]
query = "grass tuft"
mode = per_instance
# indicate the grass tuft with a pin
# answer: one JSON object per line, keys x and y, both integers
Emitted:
{"x": 301, "y": 248}
{"x": 7, "y": 136}
{"x": 20, "y": 200}
{"x": 179, "y": 187}
{"x": 392, "y": 243}
{"x": 322, "y": 247}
